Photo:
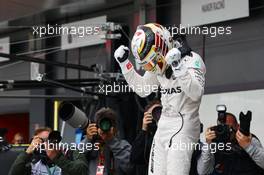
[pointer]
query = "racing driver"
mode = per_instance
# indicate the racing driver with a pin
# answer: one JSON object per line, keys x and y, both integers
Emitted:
{"x": 179, "y": 72}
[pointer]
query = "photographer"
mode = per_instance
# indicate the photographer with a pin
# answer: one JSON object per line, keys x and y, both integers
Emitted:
{"x": 113, "y": 154}
{"x": 142, "y": 145}
{"x": 7, "y": 156}
{"x": 243, "y": 155}
{"x": 37, "y": 160}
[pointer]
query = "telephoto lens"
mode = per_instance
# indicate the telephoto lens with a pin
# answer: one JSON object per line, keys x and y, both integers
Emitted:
{"x": 73, "y": 115}
{"x": 55, "y": 137}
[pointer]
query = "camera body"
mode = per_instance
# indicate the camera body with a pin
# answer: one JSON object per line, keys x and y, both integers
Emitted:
{"x": 222, "y": 130}
{"x": 223, "y": 133}
{"x": 54, "y": 138}
{"x": 155, "y": 113}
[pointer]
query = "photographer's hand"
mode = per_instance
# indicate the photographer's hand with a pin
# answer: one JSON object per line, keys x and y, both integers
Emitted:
{"x": 34, "y": 144}
{"x": 146, "y": 120}
{"x": 209, "y": 135}
{"x": 91, "y": 131}
{"x": 243, "y": 141}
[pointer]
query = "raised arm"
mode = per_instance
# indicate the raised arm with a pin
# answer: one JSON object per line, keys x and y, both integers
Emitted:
{"x": 189, "y": 70}
{"x": 193, "y": 80}
{"x": 142, "y": 85}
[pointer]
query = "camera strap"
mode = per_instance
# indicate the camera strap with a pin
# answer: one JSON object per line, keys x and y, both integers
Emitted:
{"x": 101, "y": 161}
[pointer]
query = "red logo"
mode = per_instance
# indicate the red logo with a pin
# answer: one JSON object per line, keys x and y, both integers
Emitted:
{"x": 138, "y": 33}
{"x": 129, "y": 66}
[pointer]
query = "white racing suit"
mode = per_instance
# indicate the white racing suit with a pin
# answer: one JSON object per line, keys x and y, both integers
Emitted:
{"x": 179, "y": 125}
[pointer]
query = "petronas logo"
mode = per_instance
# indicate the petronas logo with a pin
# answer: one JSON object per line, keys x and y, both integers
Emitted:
{"x": 197, "y": 64}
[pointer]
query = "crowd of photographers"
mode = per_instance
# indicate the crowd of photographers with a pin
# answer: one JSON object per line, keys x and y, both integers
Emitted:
{"x": 229, "y": 148}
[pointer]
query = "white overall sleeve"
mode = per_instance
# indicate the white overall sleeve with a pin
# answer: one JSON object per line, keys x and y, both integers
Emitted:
{"x": 142, "y": 85}
{"x": 192, "y": 82}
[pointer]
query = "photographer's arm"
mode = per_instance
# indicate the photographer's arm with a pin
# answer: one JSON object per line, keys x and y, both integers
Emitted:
{"x": 189, "y": 71}
{"x": 256, "y": 152}
{"x": 206, "y": 161}
{"x": 22, "y": 165}
{"x": 121, "y": 151}
{"x": 76, "y": 166}
{"x": 143, "y": 85}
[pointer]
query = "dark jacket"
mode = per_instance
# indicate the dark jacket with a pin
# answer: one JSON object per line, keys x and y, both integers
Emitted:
{"x": 24, "y": 164}
{"x": 249, "y": 161}
{"x": 140, "y": 152}
{"x": 116, "y": 153}
{"x": 7, "y": 158}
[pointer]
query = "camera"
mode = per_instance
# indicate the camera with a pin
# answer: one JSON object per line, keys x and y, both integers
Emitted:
{"x": 156, "y": 113}
{"x": 54, "y": 138}
{"x": 73, "y": 115}
{"x": 222, "y": 130}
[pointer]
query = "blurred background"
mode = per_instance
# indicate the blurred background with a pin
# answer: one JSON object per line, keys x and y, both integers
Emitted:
{"x": 68, "y": 65}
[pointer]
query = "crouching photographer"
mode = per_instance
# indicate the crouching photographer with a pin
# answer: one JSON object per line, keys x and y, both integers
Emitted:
{"x": 230, "y": 148}
{"x": 112, "y": 155}
{"x": 44, "y": 156}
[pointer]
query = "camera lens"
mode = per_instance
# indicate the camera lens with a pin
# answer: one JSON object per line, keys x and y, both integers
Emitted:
{"x": 73, "y": 115}
{"x": 55, "y": 137}
{"x": 105, "y": 124}
{"x": 220, "y": 129}
{"x": 156, "y": 113}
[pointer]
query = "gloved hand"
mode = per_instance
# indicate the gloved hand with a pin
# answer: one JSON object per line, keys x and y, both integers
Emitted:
{"x": 185, "y": 50}
{"x": 174, "y": 59}
{"x": 121, "y": 54}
